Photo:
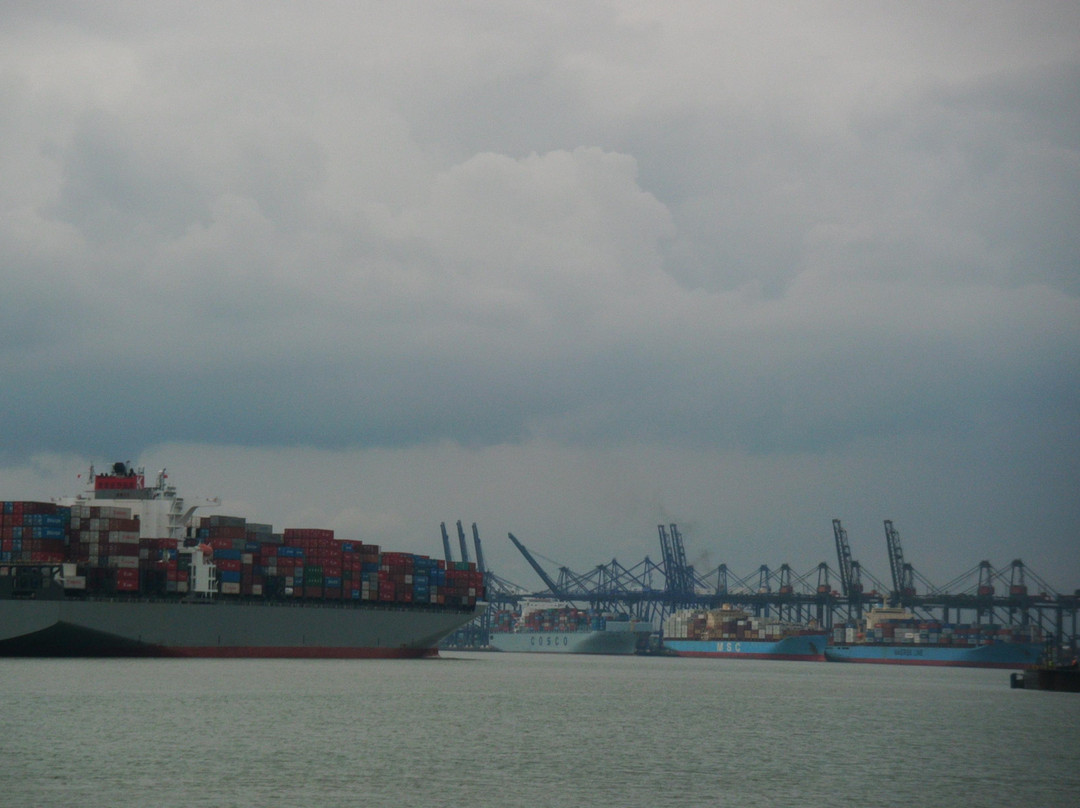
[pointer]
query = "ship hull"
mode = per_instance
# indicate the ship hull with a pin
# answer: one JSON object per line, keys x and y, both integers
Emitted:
{"x": 991, "y": 655}
{"x": 609, "y": 642}
{"x": 121, "y": 627}
{"x": 799, "y": 648}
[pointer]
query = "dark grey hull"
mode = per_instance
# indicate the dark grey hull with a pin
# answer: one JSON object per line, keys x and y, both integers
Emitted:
{"x": 218, "y": 628}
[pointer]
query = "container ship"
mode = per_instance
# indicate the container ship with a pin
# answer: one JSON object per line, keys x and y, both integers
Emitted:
{"x": 894, "y": 636}
{"x": 567, "y": 630}
{"x": 127, "y": 570}
{"x": 734, "y": 634}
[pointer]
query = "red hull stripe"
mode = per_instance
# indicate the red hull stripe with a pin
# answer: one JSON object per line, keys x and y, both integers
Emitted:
{"x": 786, "y": 657}
{"x": 936, "y": 663}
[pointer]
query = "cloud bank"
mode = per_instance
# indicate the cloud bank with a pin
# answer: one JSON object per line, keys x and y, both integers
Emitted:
{"x": 822, "y": 256}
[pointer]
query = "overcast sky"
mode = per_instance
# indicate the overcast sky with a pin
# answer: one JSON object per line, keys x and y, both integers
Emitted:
{"x": 567, "y": 270}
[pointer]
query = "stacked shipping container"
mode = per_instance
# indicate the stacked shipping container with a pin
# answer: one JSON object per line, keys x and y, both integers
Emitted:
{"x": 951, "y": 635}
{"x": 561, "y": 619}
{"x": 251, "y": 560}
{"x": 729, "y": 624}
{"x": 33, "y": 532}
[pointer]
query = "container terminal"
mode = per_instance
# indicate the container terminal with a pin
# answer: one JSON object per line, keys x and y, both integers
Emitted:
{"x": 986, "y": 601}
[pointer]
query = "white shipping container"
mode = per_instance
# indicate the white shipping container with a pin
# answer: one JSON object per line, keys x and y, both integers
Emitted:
{"x": 230, "y": 588}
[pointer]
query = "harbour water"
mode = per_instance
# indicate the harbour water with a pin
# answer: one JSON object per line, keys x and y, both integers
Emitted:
{"x": 511, "y": 730}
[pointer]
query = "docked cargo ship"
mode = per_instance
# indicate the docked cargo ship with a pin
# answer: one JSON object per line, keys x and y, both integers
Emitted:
{"x": 127, "y": 570}
{"x": 735, "y": 634}
{"x": 567, "y": 630}
{"x": 893, "y": 636}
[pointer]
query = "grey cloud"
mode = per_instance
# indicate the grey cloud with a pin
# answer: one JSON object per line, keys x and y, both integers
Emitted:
{"x": 724, "y": 238}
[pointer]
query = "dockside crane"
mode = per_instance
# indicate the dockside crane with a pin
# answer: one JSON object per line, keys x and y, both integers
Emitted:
{"x": 787, "y": 585}
{"x": 1032, "y": 604}
{"x": 445, "y": 543}
{"x": 479, "y": 552}
{"x": 686, "y": 572}
{"x": 678, "y": 575}
{"x": 903, "y": 574}
{"x": 669, "y": 558}
{"x": 722, "y": 587}
{"x": 553, "y": 587}
{"x": 984, "y": 590}
{"x": 850, "y": 582}
{"x": 461, "y": 541}
{"x": 985, "y": 587}
{"x": 824, "y": 587}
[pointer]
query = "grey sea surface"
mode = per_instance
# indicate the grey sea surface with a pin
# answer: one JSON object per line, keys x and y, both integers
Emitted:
{"x": 508, "y": 730}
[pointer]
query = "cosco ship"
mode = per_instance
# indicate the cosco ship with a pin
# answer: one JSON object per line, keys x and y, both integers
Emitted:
{"x": 566, "y": 630}
{"x": 893, "y": 636}
{"x": 734, "y": 634}
{"x": 127, "y": 570}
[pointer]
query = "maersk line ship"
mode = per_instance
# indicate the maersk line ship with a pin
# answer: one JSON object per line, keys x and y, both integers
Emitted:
{"x": 894, "y": 636}
{"x": 126, "y": 570}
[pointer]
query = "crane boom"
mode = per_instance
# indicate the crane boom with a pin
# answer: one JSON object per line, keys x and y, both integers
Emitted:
{"x": 445, "y": 543}
{"x": 554, "y": 587}
{"x": 476, "y": 546}
{"x": 686, "y": 584}
{"x": 461, "y": 541}
{"x": 678, "y": 576}
{"x": 669, "y": 558}
{"x": 850, "y": 572}
{"x": 902, "y": 574}
{"x": 843, "y": 556}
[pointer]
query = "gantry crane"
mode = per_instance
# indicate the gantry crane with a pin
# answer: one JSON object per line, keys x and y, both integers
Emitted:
{"x": 903, "y": 574}
{"x": 446, "y": 543}
{"x": 850, "y": 578}
{"x": 553, "y": 587}
{"x": 479, "y": 552}
{"x": 678, "y": 575}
